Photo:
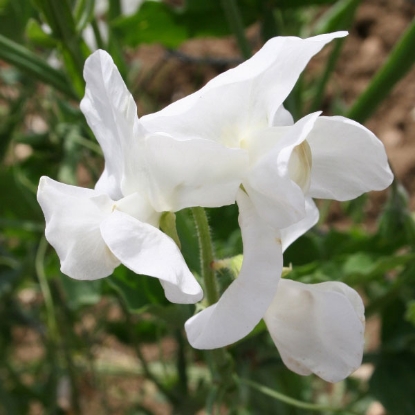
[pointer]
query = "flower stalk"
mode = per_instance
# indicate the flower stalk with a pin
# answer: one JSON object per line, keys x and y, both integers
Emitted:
{"x": 206, "y": 254}
{"x": 222, "y": 367}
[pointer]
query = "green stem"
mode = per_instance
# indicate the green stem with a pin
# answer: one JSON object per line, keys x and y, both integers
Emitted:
{"x": 399, "y": 62}
{"x": 222, "y": 367}
{"x": 44, "y": 287}
{"x": 182, "y": 364}
{"x": 230, "y": 7}
{"x": 206, "y": 255}
{"x": 291, "y": 401}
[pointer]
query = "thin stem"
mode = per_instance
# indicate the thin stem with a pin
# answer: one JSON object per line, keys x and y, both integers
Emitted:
{"x": 236, "y": 24}
{"x": 206, "y": 255}
{"x": 44, "y": 287}
{"x": 222, "y": 367}
{"x": 291, "y": 401}
{"x": 181, "y": 364}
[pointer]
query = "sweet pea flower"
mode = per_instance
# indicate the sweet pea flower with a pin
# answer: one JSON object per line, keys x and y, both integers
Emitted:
{"x": 317, "y": 328}
{"x": 286, "y": 165}
{"x": 324, "y": 157}
{"x": 94, "y": 230}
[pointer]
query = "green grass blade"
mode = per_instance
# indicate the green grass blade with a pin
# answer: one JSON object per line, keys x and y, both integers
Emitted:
{"x": 397, "y": 65}
{"x": 28, "y": 62}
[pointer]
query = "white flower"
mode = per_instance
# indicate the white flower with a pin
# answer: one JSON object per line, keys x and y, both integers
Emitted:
{"x": 246, "y": 300}
{"x": 93, "y": 234}
{"x": 242, "y": 109}
{"x": 93, "y": 231}
{"x": 318, "y": 328}
{"x": 286, "y": 165}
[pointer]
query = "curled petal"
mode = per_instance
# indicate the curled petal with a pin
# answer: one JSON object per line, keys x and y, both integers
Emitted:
{"x": 111, "y": 113}
{"x": 317, "y": 328}
{"x": 348, "y": 160}
{"x": 270, "y": 185}
{"x": 146, "y": 250}
{"x": 293, "y": 232}
{"x": 245, "y": 301}
{"x": 73, "y": 215}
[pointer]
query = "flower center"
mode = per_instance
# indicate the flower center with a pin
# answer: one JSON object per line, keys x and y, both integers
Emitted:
{"x": 299, "y": 166}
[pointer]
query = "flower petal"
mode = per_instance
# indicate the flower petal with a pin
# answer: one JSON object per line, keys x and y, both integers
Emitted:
{"x": 146, "y": 250}
{"x": 348, "y": 160}
{"x": 317, "y": 328}
{"x": 243, "y": 99}
{"x": 73, "y": 215}
{"x": 282, "y": 117}
{"x": 293, "y": 232}
{"x": 277, "y": 198}
{"x": 200, "y": 173}
{"x": 245, "y": 301}
{"x": 111, "y": 113}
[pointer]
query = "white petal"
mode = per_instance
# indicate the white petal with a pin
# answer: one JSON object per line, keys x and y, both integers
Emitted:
{"x": 244, "y": 98}
{"x": 73, "y": 215}
{"x": 282, "y": 117}
{"x": 181, "y": 174}
{"x": 348, "y": 160}
{"x": 277, "y": 198}
{"x": 146, "y": 250}
{"x": 293, "y": 232}
{"x": 317, "y": 328}
{"x": 245, "y": 301}
{"x": 138, "y": 207}
{"x": 112, "y": 115}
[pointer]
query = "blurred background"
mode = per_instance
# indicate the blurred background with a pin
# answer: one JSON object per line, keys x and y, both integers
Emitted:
{"x": 116, "y": 346}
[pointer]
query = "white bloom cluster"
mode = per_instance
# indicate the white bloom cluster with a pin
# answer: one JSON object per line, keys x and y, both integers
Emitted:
{"x": 232, "y": 141}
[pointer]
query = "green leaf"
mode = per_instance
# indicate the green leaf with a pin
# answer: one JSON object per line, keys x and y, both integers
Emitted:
{"x": 14, "y": 15}
{"x": 37, "y": 36}
{"x": 291, "y": 4}
{"x": 156, "y": 22}
{"x": 363, "y": 267}
{"x": 153, "y": 23}
{"x": 399, "y": 62}
{"x": 138, "y": 291}
{"x": 81, "y": 293}
{"x": 393, "y": 383}
{"x": 337, "y": 17}
{"x": 60, "y": 19}
{"x": 84, "y": 13}
{"x": 35, "y": 66}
